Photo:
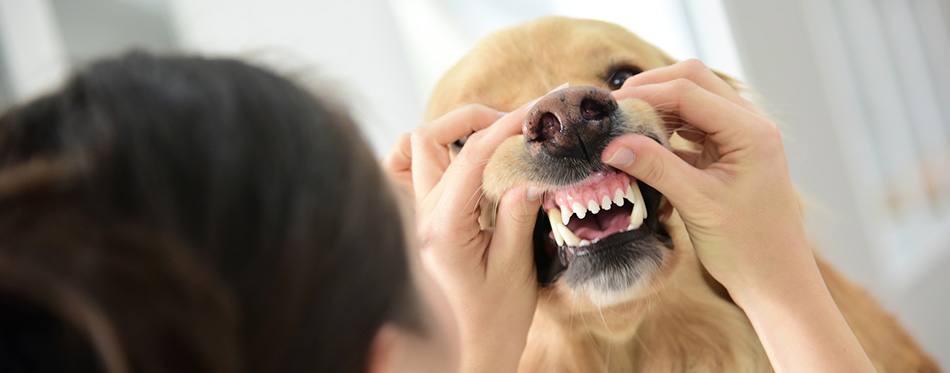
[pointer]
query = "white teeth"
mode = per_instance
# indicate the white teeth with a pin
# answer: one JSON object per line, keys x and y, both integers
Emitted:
{"x": 640, "y": 203}
{"x": 553, "y": 216}
{"x": 560, "y": 216}
{"x": 593, "y": 206}
{"x": 639, "y": 213}
{"x": 629, "y": 195}
{"x": 579, "y": 210}
{"x": 569, "y": 237}
{"x": 618, "y": 198}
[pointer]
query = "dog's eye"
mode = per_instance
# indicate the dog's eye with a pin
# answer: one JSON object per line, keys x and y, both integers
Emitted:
{"x": 620, "y": 75}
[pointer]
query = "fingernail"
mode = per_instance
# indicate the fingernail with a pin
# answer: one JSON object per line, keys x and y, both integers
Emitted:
{"x": 533, "y": 194}
{"x": 623, "y": 157}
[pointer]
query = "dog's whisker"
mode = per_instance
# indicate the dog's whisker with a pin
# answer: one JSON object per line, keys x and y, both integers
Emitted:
{"x": 590, "y": 334}
{"x": 604, "y": 319}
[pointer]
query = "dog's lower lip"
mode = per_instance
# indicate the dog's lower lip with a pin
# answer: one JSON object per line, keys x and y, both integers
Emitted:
{"x": 566, "y": 254}
{"x": 552, "y": 261}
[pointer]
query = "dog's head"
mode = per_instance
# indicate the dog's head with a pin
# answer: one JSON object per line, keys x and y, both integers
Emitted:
{"x": 600, "y": 241}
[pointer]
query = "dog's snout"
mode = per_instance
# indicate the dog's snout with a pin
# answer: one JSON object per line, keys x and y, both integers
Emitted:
{"x": 564, "y": 121}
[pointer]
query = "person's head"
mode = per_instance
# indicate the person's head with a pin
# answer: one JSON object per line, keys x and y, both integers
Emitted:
{"x": 190, "y": 214}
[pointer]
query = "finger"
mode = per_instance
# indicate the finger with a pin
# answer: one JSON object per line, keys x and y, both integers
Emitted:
{"x": 688, "y": 156}
{"x": 650, "y": 162}
{"x": 464, "y": 176}
{"x": 728, "y": 125}
{"x": 511, "y": 243}
{"x": 693, "y": 70}
{"x": 430, "y": 152}
{"x": 457, "y": 123}
{"x": 398, "y": 162}
{"x": 400, "y": 155}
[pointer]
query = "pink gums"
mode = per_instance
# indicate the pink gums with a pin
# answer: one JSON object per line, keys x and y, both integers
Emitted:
{"x": 603, "y": 183}
{"x": 604, "y": 223}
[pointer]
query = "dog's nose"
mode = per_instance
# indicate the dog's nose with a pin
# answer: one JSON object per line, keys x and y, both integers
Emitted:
{"x": 567, "y": 121}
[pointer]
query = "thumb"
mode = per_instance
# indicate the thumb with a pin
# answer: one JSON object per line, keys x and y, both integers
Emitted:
{"x": 511, "y": 244}
{"x": 648, "y": 161}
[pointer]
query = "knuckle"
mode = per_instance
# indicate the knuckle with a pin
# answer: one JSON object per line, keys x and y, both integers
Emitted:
{"x": 419, "y": 134}
{"x": 479, "y": 111}
{"x": 683, "y": 85}
{"x": 693, "y": 67}
{"x": 654, "y": 171}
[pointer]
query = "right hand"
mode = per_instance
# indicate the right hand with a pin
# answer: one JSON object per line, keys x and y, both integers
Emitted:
{"x": 735, "y": 196}
{"x": 736, "y": 200}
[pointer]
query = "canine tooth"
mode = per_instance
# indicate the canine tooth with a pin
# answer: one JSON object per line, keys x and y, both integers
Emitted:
{"x": 607, "y": 203}
{"x": 618, "y": 197}
{"x": 596, "y": 240}
{"x": 639, "y": 204}
{"x": 629, "y": 195}
{"x": 565, "y": 215}
{"x": 634, "y": 225}
{"x": 593, "y": 206}
{"x": 584, "y": 243}
{"x": 554, "y": 217}
{"x": 579, "y": 209}
{"x": 569, "y": 237}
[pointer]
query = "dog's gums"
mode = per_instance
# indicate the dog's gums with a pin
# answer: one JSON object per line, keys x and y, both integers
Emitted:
{"x": 594, "y": 196}
{"x": 608, "y": 211}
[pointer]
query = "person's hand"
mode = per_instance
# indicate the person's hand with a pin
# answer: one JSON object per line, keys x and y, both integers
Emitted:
{"x": 488, "y": 275}
{"x": 741, "y": 213}
{"x": 735, "y": 196}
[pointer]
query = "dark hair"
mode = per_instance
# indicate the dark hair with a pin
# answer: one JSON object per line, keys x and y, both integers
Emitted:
{"x": 200, "y": 214}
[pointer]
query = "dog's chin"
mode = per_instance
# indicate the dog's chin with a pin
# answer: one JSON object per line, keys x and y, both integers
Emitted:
{"x": 609, "y": 270}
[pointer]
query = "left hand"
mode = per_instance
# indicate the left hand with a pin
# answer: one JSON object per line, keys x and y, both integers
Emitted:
{"x": 488, "y": 275}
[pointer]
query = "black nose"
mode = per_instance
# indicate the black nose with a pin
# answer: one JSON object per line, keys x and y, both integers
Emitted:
{"x": 564, "y": 123}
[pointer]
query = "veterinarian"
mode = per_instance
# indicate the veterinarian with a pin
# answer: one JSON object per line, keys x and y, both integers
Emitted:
{"x": 735, "y": 197}
{"x": 181, "y": 214}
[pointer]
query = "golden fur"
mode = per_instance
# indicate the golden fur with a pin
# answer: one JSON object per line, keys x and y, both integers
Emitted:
{"x": 678, "y": 318}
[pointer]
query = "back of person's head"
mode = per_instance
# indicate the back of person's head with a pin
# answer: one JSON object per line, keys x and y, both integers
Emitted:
{"x": 189, "y": 214}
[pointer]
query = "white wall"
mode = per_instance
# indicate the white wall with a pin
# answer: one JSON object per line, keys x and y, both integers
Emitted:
{"x": 821, "y": 66}
{"x": 351, "y": 45}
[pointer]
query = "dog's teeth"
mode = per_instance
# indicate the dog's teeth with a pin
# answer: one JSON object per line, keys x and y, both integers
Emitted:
{"x": 639, "y": 204}
{"x": 584, "y": 243}
{"x": 634, "y": 226}
{"x": 596, "y": 240}
{"x": 579, "y": 210}
{"x": 629, "y": 195}
{"x": 554, "y": 215}
{"x": 565, "y": 215}
{"x": 639, "y": 213}
{"x": 569, "y": 237}
{"x": 618, "y": 197}
{"x": 593, "y": 206}
{"x": 607, "y": 203}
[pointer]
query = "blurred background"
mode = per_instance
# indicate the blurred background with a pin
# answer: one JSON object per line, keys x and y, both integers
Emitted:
{"x": 861, "y": 87}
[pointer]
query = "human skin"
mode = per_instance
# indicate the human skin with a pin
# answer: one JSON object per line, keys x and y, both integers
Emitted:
{"x": 736, "y": 199}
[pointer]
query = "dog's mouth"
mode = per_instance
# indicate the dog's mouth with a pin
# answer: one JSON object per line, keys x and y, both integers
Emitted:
{"x": 608, "y": 211}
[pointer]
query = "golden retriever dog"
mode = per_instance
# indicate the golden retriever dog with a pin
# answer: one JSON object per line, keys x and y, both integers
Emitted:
{"x": 622, "y": 289}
